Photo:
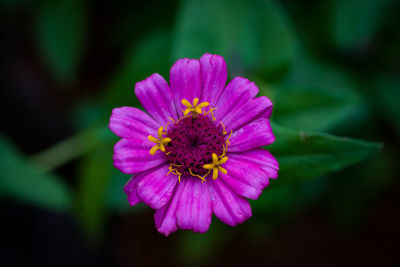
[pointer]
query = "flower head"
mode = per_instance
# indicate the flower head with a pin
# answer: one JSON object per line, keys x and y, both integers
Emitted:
{"x": 197, "y": 151}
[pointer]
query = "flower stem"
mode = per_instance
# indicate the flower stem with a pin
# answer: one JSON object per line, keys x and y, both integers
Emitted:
{"x": 68, "y": 149}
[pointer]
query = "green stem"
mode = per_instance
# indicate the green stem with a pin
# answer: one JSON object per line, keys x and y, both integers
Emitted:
{"x": 68, "y": 149}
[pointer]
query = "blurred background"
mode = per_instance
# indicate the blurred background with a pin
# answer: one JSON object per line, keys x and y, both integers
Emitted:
{"x": 332, "y": 69}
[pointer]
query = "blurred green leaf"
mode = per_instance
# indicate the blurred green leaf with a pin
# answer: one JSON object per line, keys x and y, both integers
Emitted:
{"x": 94, "y": 178}
{"x": 145, "y": 58}
{"x": 275, "y": 198}
{"x": 253, "y": 36}
{"x": 387, "y": 102}
{"x": 304, "y": 155}
{"x": 23, "y": 181}
{"x": 61, "y": 32}
{"x": 116, "y": 197}
{"x": 310, "y": 69}
{"x": 316, "y": 96}
{"x": 315, "y": 108}
{"x": 354, "y": 23}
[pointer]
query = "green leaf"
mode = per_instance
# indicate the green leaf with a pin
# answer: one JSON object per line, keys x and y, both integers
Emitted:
{"x": 355, "y": 23}
{"x": 116, "y": 198}
{"x": 23, "y": 181}
{"x": 311, "y": 69}
{"x": 253, "y": 36}
{"x": 387, "y": 101}
{"x": 94, "y": 178}
{"x": 275, "y": 198}
{"x": 315, "y": 108}
{"x": 304, "y": 155}
{"x": 61, "y": 32}
{"x": 316, "y": 96}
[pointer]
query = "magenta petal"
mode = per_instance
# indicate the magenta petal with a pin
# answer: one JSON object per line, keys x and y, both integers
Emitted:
{"x": 214, "y": 75}
{"x": 260, "y": 158}
{"x": 251, "y": 110}
{"x": 128, "y": 122}
{"x": 165, "y": 218}
{"x": 246, "y": 180}
{"x": 253, "y": 135}
{"x": 156, "y": 187}
{"x": 194, "y": 211}
{"x": 185, "y": 80}
{"x": 132, "y": 156}
{"x": 237, "y": 93}
{"x": 130, "y": 190}
{"x": 156, "y": 97}
{"x": 227, "y": 205}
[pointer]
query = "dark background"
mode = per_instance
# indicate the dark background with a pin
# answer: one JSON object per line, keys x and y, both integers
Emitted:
{"x": 329, "y": 66}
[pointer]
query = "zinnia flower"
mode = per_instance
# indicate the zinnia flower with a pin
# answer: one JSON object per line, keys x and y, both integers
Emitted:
{"x": 197, "y": 151}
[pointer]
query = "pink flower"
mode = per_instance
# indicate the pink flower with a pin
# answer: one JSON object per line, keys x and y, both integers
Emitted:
{"x": 198, "y": 151}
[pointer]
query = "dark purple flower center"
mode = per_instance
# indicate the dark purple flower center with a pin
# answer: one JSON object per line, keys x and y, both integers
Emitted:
{"x": 193, "y": 141}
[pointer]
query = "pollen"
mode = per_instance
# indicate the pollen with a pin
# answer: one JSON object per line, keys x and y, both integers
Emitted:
{"x": 216, "y": 165}
{"x": 194, "y": 108}
{"x": 160, "y": 142}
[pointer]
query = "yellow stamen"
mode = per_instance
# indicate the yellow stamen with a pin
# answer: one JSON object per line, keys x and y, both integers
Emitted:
{"x": 196, "y": 175}
{"x": 160, "y": 142}
{"x": 212, "y": 114}
{"x": 175, "y": 171}
{"x": 224, "y": 131}
{"x": 179, "y": 175}
{"x": 171, "y": 119}
{"x": 224, "y": 171}
{"x": 215, "y": 165}
{"x": 166, "y": 127}
{"x": 193, "y": 108}
{"x": 227, "y": 140}
{"x": 154, "y": 149}
{"x": 171, "y": 170}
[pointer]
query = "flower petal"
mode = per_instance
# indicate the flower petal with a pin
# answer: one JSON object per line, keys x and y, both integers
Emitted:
{"x": 213, "y": 75}
{"x": 255, "y": 108}
{"x": 238, "y": 104}
{"x": 260, "y": 158}
{"x": 194, "y": 211}
{"x": 237, "y": 93}
{"x": 227, "y": 205}
{"x": 185, "y": 80}
{"x": 165, "y": 218}
{"x": 130, "y": 190}
{"x": 246, "y": 180}
{"x": 128, "y": 122}
{"x": 132, "y": 156}
{"x": 156, "y": 187}
{"x": 253, "y": 135}
{"x": 156, "y": 97}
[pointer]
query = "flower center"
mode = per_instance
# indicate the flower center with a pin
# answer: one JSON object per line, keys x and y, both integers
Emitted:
{"x": 195, "y": 144}
{"x": 194, "y": 139}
